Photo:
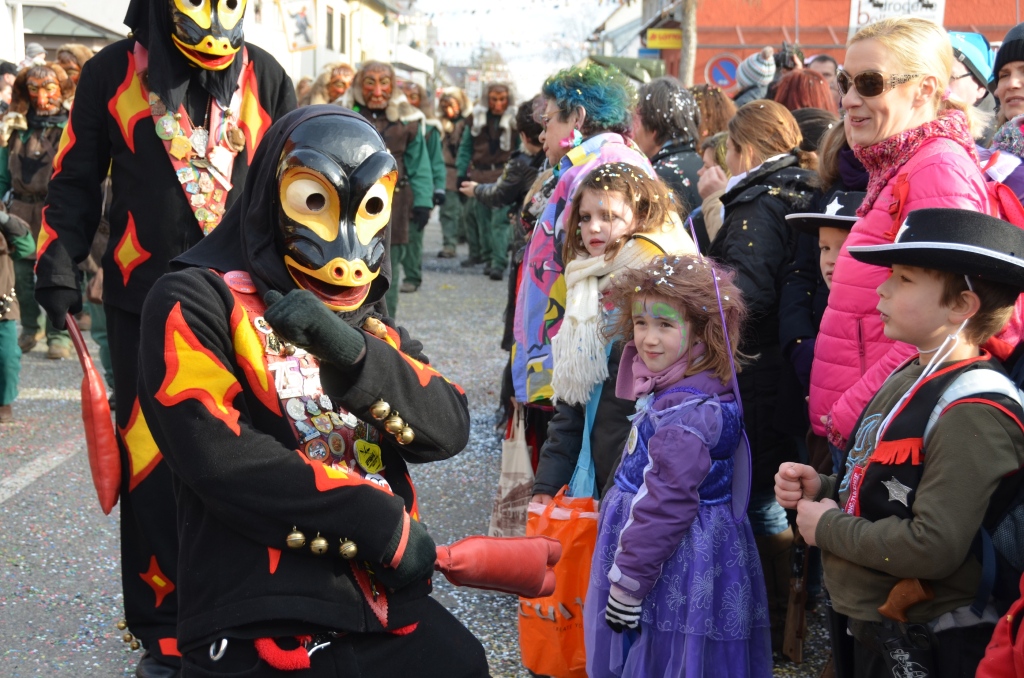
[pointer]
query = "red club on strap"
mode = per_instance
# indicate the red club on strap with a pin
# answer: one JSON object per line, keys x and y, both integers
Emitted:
{"x": 104, "y": 459}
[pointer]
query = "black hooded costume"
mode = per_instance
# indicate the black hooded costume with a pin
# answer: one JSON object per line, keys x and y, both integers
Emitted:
{"x": 154, "y": 216}
{"x": 296, "y": 509}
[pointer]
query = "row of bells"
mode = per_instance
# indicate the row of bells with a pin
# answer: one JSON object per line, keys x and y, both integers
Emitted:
{"x": 347, "y": 549}
{"x": 393, "y": 423}
{"x": 380, "y": 410}
{"x": 128, "y": 637}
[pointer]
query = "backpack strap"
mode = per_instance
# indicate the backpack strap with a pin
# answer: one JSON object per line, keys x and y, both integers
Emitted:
{"x": 969, "y": 384}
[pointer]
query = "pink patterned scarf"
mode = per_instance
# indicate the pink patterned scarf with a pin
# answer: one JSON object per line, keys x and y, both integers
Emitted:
{"x": 884, "y": 159}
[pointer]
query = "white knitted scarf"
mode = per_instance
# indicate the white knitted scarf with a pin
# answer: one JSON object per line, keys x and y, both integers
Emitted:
{"x": 578, "y": 350}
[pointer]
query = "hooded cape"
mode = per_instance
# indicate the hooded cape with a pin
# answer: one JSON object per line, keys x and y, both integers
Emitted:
{"x": 169, "y": 70}
{"x": 246, "y": 238}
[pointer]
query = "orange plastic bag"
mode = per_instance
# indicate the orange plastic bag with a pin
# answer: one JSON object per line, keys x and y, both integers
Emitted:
{"x": 551, "y": 628}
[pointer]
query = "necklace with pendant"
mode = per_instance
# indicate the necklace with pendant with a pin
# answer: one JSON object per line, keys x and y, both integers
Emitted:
{"x": 201, "y": 135}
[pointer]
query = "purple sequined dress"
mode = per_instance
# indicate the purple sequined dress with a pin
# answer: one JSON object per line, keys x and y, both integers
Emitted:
{"x": 707, "y": 612}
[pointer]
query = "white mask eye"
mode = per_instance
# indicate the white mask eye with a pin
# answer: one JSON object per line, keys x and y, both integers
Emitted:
{"x": 306, "y": 196}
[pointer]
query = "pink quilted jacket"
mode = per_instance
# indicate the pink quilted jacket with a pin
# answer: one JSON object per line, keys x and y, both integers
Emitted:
{"x": 852, "y": 356}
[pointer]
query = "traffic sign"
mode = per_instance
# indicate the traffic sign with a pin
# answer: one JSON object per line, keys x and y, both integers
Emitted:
{"x": 721, "y": 70}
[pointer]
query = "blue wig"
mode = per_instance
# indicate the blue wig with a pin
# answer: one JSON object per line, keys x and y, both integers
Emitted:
{"x": 604, "y": 93}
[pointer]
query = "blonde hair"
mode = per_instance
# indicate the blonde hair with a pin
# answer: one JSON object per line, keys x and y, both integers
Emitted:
{"x": 921, "y": 47}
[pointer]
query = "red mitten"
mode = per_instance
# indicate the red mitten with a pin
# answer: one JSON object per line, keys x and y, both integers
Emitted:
{"x": 517, "y": 565}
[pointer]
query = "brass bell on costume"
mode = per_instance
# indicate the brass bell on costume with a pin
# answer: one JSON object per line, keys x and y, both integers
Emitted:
{"x": 295, "y": 539}
{"x": 319, "y": 545}
{"x": 348, "y": 549}
{"x": 394, "y": 424}
{"x": 379, "y": 410}
{"x": 288, "y": 349}
{"x": 127, "y": 637}
{"x": 375, "y": 327}
{"x": 134, "y": 645}
{"x": 405, "y": 436}
{"x": 122, "y": 625}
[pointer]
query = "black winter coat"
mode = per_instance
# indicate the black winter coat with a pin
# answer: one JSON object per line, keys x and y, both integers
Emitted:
{"x": 608, "y": 435}
{"x": 677, "y": 165}
{"x": 756, "y": 242}
{"x": 519, "y": 174}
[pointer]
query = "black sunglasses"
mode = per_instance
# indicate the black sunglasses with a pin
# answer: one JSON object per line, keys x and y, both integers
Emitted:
{"x": 869, "y": 83}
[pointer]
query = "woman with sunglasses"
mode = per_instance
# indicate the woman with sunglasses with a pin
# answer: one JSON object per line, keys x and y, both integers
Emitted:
{"x": 918, "y": 147}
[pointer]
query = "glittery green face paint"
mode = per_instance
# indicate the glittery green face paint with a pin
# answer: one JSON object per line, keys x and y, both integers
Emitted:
{"x": 659, "y": 331}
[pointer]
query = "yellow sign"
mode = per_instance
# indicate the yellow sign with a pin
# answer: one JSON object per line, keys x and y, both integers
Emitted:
{"x": 664, "y": 38}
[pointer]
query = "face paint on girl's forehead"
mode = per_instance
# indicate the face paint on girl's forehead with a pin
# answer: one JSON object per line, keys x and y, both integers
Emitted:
{"x": 666, "y": 311}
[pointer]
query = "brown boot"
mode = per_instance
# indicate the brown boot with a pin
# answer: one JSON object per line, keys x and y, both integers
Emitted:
{"x": 774, "y": 551}
{"x": 84, "y": 321}
{"x": 28, "y": 340}
{"x": 6, "y": 414}
{"x": 58, "y": 350}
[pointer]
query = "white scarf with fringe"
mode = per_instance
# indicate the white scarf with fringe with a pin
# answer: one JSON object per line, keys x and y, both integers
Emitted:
{"x": 578, "y": 350}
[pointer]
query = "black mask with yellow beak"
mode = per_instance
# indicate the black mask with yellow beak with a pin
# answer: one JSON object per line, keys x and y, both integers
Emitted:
{"x": 334, "y": 190}
{"x": 315, "y": 213}
{"x": 208, "y": 32}
{"x": 197, "y": 42}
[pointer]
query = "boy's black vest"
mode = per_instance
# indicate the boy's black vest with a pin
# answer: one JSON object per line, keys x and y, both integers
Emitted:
{"x": 887, "y": 484}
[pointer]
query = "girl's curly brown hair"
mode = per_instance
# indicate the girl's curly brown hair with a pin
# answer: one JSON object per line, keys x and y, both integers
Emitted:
{"x": 649, "y": 198}
{"x": 686, "y": 282}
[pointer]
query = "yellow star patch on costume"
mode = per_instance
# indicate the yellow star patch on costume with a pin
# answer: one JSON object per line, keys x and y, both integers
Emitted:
{"x": 143, "y": 454}
{"x": 128, "y": 106}
{"x": 251, "y": 358}
{"x": 194, "y": 372}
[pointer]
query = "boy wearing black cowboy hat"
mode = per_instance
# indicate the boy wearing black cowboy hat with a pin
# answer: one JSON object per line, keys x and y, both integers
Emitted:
{"x": 927, "y": 455}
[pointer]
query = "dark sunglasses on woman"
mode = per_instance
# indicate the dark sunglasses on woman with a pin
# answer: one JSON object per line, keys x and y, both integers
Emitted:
{"x": 870, "y": 83}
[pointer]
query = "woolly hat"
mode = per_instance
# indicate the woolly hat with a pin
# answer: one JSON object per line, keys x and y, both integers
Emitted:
{"x": 34, "y": 49}
{"x": 1012, "y": 49}
{"x": 974, "y": 52}
{"x": 963, "y": 242}
{"x": 755, "y": 71}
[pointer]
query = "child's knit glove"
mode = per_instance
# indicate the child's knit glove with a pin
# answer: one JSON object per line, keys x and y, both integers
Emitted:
{"x": 622, "y": 611}
{"x": 302, "y": 319}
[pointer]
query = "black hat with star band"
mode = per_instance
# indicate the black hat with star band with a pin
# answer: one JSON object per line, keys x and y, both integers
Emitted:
{"x": 840, "y": 212}
{"x": 963, "y": 242}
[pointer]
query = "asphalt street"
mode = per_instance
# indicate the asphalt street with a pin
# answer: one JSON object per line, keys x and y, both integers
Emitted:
{"x": 60, "y": 586}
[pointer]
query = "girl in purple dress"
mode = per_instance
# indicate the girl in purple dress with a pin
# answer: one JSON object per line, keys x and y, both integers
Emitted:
{"x": 676, "y": 586}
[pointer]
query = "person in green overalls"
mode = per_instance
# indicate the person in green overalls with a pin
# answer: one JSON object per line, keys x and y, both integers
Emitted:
{"x": 434, "y": 133}
{"x": 482, "y": 157}
{"x": 26, "y": 163}
{"x": 453, "y": 106}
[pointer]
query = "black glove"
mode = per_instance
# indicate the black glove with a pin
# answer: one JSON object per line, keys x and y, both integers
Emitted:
{"x": 439, "y": 197}
{"x": 58, "y": 302}
{"x": 620, "y": 614}
{"x": 458, "y": 186}
{"x": 417, "y": 562}
{"x": 301, "y": 318}
{"x": 420, "y": 217}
